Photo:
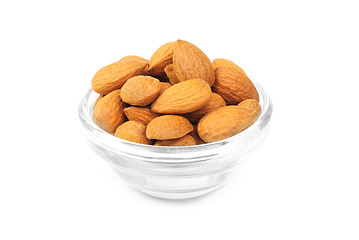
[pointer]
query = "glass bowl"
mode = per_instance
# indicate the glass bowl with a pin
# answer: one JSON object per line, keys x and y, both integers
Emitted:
{"x": 175, "y": 172}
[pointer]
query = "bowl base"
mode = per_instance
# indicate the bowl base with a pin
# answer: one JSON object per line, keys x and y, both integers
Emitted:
{"x": 194, "y": 193}
{"x": 174, "y": 187}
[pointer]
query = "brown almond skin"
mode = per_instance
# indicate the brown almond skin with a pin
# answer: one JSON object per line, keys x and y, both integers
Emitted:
{"x": 251, "y": 104}
{"x": 190, "y": 62}
{"x": 145, "y": 72}
{"x": 225, "y": 122}
{"x": 98, "y": 99}
{"x": 113, "y": 76}
{"x": 184, "y": 97}
{"x": 133, "y": 131}
{"x": 160, "y": 59}
{"x": 194, "y": 134}
{"x": 108, "y": 112}
{"x": 186, "y": 140}
{"x": 134, "y": 58}
{"x": 164, "y": 87}
{"x": 139, "y": 59}
{"x": 168, "y": 127}
{"x": 171, "y": 74}
{"x": 214, "y": 102}
{"x": 140, "y": 90}
{"x": 220, "y": 62}
{"x": 140, "y": 114}
{"x": 233, "y": 85}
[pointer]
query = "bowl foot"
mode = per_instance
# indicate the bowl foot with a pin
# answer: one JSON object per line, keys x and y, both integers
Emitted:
{"x": 179, "y": 195}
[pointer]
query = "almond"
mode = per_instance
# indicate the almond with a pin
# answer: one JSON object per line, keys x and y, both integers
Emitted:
{"x": 184, "y": 97}
{"x": 233, "y": 85}
{"x": 214, "y": 102}
{"x": 133, "y": 131}
{"x": 186, "y": 140}
{"x": 113, "y": 76}
{"x": 190, "y": 62}
{"x": 165, "y": 86}
{"x": 171, "y": 74}
{"x": 145, "y": 72}
{"x": 168, "y": 127}
{"x": 253, "y": 105}
{"x": 134, "y": 58}
{"x": 225, "y": 122}
{"x": 140, "y": 90}
{"x": 194, "y": 134}
{"x": 139, "y": 59}
{"x": 140, "y": 114}
{"x": 220, "y": 62}
{"x": 250, "y": 103}
{"x": 98, "y": 99}
{"x": 108, "y": 112}
{"x": 160, "y": 59}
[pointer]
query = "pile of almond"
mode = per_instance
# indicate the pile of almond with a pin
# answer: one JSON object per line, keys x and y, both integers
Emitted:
{"x": 177, "y": 98}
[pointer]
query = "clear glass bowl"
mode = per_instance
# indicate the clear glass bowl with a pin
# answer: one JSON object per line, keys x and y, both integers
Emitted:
{"x": 175, "y": 172}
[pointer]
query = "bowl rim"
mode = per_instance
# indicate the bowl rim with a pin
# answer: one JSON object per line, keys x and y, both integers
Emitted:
{"x": 87, "y": 122}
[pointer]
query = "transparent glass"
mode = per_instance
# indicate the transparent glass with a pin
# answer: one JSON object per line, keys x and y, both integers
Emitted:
{"x": 175, "y": 172}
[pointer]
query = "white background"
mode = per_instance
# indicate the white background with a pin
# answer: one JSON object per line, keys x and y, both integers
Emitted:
{"x": 302, "y": 184}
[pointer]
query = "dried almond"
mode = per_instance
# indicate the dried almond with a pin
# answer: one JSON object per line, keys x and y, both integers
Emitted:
{"x": 168, "y": 127}
{"x": 220, "y": 62}
{"x": 184, "y": 97}
{"x": 145, "y": 72}
{"x": 186, "y": 140}
{"x": 133, "y": 131}
{"x": 160, "y": 59}
{"x": 233, "y": 85}
{"x": 250, "y": 103}
{"x": 140, "y": 114}
{"x": 225, "y": 122}
{"x": 98, "y": 99}
{"x": 140, "y": 90}
{"x": 194, "y": 134}
{"x": 164, "y": 86}
{"x": 113, "y": 76}
{"x": 253, "y": 105}
{"x": 214, "y": 102}
{"x": 108, "y": 112}
{"x": 190, "y": 62}
{"x": 171, "y": 74}
{"x": 134, "y": 58}
{"x": 139, "y": 59}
